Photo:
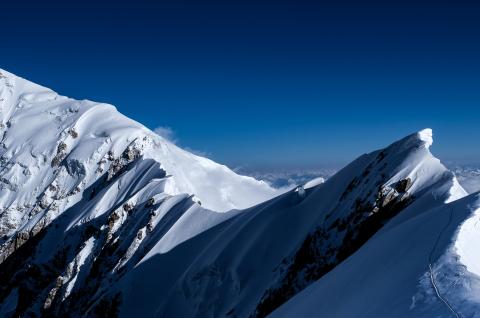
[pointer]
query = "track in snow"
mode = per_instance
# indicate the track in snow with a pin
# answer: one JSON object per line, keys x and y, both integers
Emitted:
{"x": 432, "y": 277}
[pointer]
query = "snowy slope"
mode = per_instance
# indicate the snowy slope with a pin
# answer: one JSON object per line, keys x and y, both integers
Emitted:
{"x": 253, "y": 263}
{"x": 101, "y": 217}
{"x": 427, "y": 266}
{"x": 81, "y": 171}
{"x": 53, "y": 146}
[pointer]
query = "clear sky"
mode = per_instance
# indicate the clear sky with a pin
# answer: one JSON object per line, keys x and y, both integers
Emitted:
{"x": 263, "y": 82}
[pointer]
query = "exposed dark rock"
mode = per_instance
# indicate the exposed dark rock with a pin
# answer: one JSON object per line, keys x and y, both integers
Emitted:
{"x": 72, "y": 132}
{"x": 150, "y": 202}
{"x": 61, "y": 154}
{"x": 319, "y": 253}
{"x": 352, "y": 185}
{"x": 149, "y": 227}
{"x": 403, "y": 185}
{"x": 21, "y": 238}
{"x": 128, "y": 207}
{"x": 114, "y": 217}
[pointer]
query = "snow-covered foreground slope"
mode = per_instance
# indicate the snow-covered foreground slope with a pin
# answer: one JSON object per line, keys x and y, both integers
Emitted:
{"x": 426, "y": 266}
{"x": 101, "y": 217}
{"x": 253, "y": 263}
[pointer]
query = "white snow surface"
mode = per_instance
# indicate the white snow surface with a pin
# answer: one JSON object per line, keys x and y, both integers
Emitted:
{"x": 229, "y": 269}
{"x": 83, "y": 172}
{"x": 427, "y": 266}
{"x": 314, "y": 182}
{"x": 36, "y": 121}
{"x": 427, "y": 136}
{"x": 177, "y": 235}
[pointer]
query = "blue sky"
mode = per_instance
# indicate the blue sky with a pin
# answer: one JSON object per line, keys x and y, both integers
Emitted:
{"x": 272, "y": 83}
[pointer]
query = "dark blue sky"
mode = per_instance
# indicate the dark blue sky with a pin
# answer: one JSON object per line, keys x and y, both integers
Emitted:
{"x": 256, "y": 82}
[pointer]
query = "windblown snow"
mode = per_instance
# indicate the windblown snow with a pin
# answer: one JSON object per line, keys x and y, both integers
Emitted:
{"x": 426, "y": 136}
{"x": 40, "y": 126}
{"x": 100, "y": 217}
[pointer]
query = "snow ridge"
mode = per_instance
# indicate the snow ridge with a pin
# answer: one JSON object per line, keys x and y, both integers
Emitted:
{"x": 105, "y": 184}
{"x": 100, "y": 216}
{"x": 299, "y": 236}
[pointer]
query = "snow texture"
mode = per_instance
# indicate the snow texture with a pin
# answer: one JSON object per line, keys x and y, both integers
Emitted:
{"x": 99, "y": 216}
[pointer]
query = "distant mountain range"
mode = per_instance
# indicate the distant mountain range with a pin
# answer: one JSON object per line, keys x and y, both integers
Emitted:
{"x": 287, "y": 178}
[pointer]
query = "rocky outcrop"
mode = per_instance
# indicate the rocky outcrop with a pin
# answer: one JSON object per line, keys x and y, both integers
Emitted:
{"x": 339, "y": 237}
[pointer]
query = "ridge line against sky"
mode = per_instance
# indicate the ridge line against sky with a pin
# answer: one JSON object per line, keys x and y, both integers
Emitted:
{"x": 286, "y": 83}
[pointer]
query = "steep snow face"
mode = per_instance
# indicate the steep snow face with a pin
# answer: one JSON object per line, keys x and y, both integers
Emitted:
{"x": 216, "y": 186}
{"x": 107, "y": 186}
{"x": 257, "y": 260}
{"x": 101, "y": 217}
{"x": 53, "y": 147}
{"x": 428, "y": 268}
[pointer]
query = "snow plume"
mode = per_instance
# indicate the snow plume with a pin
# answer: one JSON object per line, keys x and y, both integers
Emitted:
{"x": 166, "y": 133}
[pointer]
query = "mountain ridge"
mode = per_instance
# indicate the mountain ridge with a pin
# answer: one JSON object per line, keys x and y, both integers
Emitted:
{"x": 320, "y": 234}
{"x": 148, "y": 229}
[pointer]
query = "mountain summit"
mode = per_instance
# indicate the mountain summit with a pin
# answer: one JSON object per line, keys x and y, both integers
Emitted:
{"x": 100, "y": 217}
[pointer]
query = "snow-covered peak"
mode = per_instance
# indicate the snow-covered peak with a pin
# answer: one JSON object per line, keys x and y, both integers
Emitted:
{"x": 420, "y": 139}
{"x": 99, "y": 215}
{"x": 42, "y": 129}
{"x": 426, "y": 136}
{"x": 426, "y": 266}
{"x": 88, "y": 192}
{"x": 256, "y": 261}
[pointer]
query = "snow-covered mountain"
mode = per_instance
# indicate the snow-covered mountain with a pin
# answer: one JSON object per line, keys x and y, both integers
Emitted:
{"x": 80, "y": 168}
{"x": 53, "y": 148}
{"x": 101, "y": 217}
{"x": 425, "y": 265}
{"x": 259, "y": 259}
